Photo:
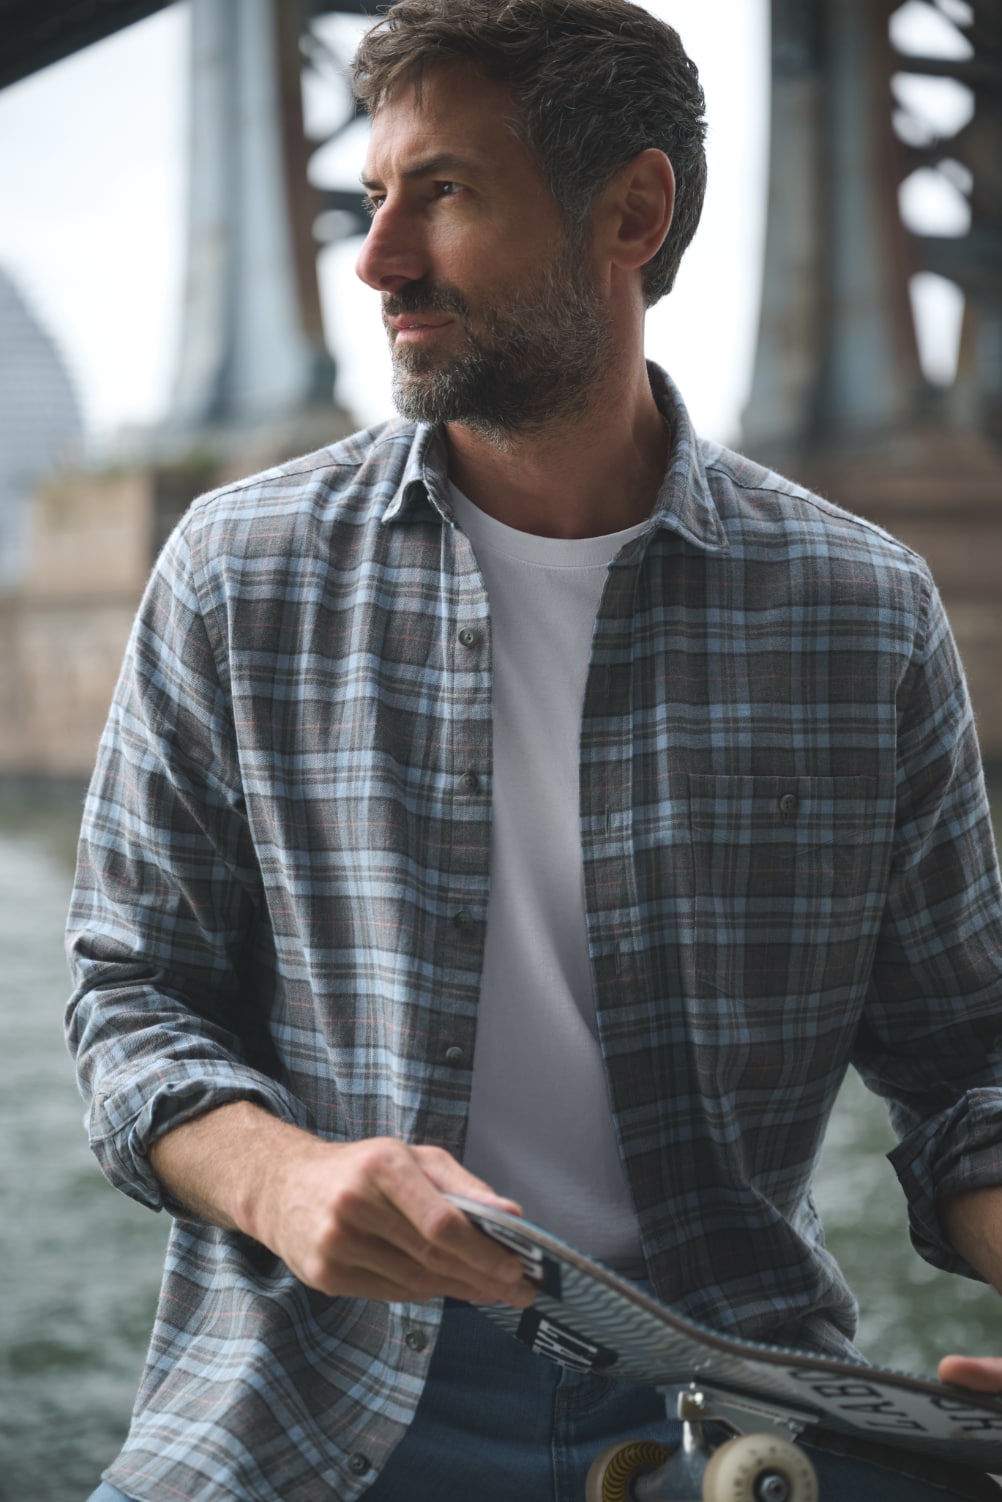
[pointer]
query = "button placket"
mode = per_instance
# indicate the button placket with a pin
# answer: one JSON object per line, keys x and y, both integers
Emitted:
{"x": 466, "y": 751}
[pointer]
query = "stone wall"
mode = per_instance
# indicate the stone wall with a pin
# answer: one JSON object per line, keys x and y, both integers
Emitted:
{"x": 63, "y": 630}
{"x": 91, "y": 540}
{"x": 60, "y": 664}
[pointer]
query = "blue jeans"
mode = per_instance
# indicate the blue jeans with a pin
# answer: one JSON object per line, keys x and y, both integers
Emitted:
{"x": 499, "y": 1424}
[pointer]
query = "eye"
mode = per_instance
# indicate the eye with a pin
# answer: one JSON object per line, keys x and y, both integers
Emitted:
{"x": 371, "y": 202}
{"x": 448, "y": 189}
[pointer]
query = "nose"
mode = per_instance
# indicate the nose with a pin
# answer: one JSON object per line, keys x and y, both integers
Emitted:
{"x": 392, "y": 253}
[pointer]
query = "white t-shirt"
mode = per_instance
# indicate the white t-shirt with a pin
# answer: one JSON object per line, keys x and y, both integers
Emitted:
{"x": 540, "y": 1125}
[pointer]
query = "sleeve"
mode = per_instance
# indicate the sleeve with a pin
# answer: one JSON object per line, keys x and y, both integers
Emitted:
{"x": 932, "y": 1036}
{"x": 167, "y": 916}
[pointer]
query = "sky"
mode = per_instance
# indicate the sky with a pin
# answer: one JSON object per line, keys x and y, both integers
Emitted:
{"x": 93, "y": 183}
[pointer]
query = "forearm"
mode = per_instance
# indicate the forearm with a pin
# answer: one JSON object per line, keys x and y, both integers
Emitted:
{"x": 219, "y": 1166}
{"x": 973, "y": 1223}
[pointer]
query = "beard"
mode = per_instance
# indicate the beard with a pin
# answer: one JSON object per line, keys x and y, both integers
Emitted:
{"x": 529, "y": 361}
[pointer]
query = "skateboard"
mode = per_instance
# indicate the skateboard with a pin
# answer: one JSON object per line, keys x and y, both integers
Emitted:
{"x": 591, "y": 1319}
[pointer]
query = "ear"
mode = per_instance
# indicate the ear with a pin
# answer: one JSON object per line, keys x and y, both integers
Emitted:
{"x": 636, "y": 210}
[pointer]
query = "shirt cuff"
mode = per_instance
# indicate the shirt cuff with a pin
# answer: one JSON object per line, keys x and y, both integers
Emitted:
{"x": 121, "y": 1137}
{"x": 959, "y": 1150}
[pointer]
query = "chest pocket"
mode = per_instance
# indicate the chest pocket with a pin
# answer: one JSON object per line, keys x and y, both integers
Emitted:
{"x": 788, "y": 880}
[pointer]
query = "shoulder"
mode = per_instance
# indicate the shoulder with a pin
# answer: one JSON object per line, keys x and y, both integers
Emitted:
{"x": 343, "y": 486}
{"x": 280, "y": 534}
{"x": 769, "y": 516}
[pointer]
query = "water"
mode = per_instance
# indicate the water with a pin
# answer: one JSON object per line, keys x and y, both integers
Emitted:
{"x": 80, "y": 1264}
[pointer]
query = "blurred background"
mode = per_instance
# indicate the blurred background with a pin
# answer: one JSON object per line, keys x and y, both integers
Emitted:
{"x": 179, "y": 216}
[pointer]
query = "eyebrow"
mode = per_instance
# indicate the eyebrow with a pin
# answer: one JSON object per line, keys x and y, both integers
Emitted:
{"x": 432, "y": 166}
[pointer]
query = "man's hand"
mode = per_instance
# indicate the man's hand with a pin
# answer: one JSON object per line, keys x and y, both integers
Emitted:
{"x": 980, "y": 1373}
{"x": 366, "y": 1219}
{"x": 370, "y": 1219}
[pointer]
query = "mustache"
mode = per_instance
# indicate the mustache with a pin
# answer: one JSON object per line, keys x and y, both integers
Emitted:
{"x": 423, "y": 297}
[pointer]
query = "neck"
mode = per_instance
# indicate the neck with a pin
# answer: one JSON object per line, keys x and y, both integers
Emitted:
{"x": 596, "y": 473}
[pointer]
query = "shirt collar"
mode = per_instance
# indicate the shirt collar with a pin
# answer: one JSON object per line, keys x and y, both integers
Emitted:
{"x": 684, "y": 503}
{"x": 425, "y": 478}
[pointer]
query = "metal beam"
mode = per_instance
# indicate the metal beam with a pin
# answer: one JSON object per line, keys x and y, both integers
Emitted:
{"x": 976, "y": 72}
{"x": 35, "y": 33}
{"x": 837, "y": 361}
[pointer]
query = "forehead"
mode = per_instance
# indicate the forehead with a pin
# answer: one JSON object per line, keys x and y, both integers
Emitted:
{"x": 455, "y": 112}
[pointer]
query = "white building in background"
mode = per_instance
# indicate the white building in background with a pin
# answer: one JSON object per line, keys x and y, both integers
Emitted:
{"x": 41, "y": 428}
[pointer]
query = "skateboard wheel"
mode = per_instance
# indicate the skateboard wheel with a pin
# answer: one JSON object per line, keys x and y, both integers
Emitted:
{"x": 613, "y": 1468}
{"x": 759, "y": 1468}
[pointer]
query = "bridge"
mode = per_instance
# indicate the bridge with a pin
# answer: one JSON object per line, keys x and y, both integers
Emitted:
{"x": 839, "y": 396}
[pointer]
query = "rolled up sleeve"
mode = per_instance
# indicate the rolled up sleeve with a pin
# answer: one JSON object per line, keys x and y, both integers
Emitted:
{"x": 165, "y": 927}
{"x": 932, "y": 1038}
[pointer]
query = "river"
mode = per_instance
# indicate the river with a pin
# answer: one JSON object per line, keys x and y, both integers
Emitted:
{"x": 80, "y": 1264}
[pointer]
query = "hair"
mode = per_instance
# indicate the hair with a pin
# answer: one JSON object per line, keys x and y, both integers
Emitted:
{"x": 594, "y": 83}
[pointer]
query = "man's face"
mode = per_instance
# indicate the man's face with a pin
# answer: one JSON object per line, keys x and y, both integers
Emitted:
{"x": 495, "y": 317}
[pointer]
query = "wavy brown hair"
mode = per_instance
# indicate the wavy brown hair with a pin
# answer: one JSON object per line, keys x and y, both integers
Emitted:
{"x": 594, "y": 82}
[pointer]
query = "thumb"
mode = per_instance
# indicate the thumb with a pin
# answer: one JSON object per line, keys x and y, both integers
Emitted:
{"x": 451, "y": 1177}
{"x": 980, "y": 1373}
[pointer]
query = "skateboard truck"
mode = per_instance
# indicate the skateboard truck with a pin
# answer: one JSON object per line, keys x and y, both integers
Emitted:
{"x": 760, "y": 1466}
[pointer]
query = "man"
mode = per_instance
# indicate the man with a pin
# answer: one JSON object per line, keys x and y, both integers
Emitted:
{"x": 525, "y": 800}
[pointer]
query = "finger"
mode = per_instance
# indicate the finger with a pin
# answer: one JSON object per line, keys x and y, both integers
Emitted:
{"x": 980, "y": 1373}
{"x": 388, "y": 1205}
{"x": 452, "y": 1178}
{"x": 366, "y": 1285}
{"x": 362, "y": 1259}
{"x": 363, "y": 1282}
{"x": 453, "y": 1247}
{"x": 435, "y": 1232}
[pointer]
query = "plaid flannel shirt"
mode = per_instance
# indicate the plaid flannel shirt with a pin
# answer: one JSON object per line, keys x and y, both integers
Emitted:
{"x": 283, "y": 885}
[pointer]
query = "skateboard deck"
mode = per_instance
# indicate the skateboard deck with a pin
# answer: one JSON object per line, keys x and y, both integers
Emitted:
{"x": 591, "y": 1319}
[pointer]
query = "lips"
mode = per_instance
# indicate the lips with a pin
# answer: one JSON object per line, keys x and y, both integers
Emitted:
{"x": 409, "y": 323}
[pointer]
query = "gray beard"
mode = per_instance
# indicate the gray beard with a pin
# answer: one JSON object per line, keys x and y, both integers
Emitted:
{"x": 537, "y": 357}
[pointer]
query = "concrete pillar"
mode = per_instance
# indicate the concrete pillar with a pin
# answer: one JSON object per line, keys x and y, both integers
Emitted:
{"x": 837, "y": 355}
{"x": 252, "y": 346}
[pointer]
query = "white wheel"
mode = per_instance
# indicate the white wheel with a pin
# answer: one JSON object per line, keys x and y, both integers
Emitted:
{"x": 759, "y": 1468}
{"x": 613, "y": 1468}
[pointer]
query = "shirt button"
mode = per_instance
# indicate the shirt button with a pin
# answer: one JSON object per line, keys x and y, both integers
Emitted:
{"x": 415, "y": 1340}
{"x": 462, "y": 919}
{"x": 454, "y": 1057}
{"x": 788, "y": 805}
{"x": 469, "y": 637}
{"x": 469, "y": 782}
{"x": 358, "y": 1463}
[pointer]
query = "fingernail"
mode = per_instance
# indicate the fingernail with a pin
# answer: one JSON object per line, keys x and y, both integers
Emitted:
{"x": 521, "y": 1298}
